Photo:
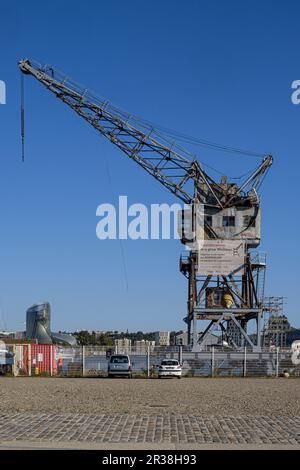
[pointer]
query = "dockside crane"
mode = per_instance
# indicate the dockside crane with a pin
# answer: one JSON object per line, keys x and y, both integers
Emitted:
{"x": 231, "y": 212}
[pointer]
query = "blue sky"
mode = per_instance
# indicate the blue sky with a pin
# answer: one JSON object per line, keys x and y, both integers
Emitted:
{"x": 217, "y": 70}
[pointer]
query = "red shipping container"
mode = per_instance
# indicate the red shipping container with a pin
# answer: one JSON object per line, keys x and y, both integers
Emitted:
{"x": 42, "y": 357}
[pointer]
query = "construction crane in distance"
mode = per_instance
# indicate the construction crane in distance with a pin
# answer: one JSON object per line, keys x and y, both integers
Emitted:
{"x": 231, "y": 212}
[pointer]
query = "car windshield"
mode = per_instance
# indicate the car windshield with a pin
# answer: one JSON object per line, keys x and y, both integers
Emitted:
{"x": 119, "y": 360}
{"x": 169, "y": 363}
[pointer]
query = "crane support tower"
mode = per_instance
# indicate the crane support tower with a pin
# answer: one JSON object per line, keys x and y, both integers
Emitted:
{"x": 220, "y": 224}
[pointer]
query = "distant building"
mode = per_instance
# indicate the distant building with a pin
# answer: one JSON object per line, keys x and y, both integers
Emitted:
{"x": 162, "y": 338}
{"x": 275, "y": 334}
{"x": 181, "y": 338}
{"x": 141, "y": 347}
{"x": 38, "y": 318}
{"x": 211, "y": 339}
{"x": 12, "y": 335}
{"x": 7, "y": 334}
{"x": 292, "y": 335}
{"x": 234, "y": 333}
{"x": 99, "y": 333}
{"x": 123, "y": 345}
{"x": 19, "y": 335}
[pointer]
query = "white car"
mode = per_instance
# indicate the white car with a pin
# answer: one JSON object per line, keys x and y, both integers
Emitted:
{"x": 296, "y": 352}
{"x": 169, "y": 368}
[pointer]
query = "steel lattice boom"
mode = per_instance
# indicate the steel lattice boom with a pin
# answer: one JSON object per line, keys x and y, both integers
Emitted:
{"x": 172, "y": 167}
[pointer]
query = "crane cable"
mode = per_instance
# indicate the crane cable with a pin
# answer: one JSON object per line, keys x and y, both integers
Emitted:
{"x": 123, "y": 258}
{"x": 22, "y": 116}
{"x": 206, "y": 143}
{"x": 157, "y": 129}
{"x": 106, "y": 165}
{"x": 179, "y": 136}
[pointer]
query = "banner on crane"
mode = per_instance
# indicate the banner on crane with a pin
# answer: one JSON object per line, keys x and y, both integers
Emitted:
{"x": 221, "y": 257}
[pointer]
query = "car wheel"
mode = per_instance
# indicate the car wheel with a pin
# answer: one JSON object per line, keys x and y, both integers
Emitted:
{"x": 179, "y": 377}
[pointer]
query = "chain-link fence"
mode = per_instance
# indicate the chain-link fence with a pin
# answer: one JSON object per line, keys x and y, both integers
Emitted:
{"x": 93, "y": 361}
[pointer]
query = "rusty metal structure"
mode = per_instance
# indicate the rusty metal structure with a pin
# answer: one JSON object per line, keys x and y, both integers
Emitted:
{"x": 230, "y": 212}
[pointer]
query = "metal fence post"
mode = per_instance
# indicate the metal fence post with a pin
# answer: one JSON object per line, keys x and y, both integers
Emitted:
{"x": 148, "y": 362}
{"x": 180, "y": 354}
{"x": 14, "y": 366}
{"x": 245, "y": 362}
{"x": 51, "y": 360}
{"x": 29, "y": 360}
{"x": 212, "y": 361}
{"x": 83, "y": 361}
{"x": 277, "y": 361}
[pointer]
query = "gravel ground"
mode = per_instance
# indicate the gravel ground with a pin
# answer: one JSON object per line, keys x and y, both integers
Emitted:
{"x": 191, "y": 396}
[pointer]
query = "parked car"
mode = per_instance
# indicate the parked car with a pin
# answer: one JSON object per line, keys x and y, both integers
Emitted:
{"x": 119, "y": 365}
{"x": 169, "y": 368}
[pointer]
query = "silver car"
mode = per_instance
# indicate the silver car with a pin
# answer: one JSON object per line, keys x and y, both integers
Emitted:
{"x": 169, "y": 368}
{"x": 119, "y": 365}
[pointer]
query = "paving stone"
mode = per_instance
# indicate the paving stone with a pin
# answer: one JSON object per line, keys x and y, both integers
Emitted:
{"x": 173, "y": 428}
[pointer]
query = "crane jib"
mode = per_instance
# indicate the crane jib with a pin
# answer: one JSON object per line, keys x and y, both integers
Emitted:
{"x": 166, "y": 162}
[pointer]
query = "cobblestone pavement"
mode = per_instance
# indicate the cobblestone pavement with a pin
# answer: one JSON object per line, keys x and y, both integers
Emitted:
{"x": 172, "y": 428}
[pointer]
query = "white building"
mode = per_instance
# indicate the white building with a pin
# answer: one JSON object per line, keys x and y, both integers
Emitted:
{"x": 123, "y": 346}
{"x": 162, "y": 338}
{"x": 141, "y": 347}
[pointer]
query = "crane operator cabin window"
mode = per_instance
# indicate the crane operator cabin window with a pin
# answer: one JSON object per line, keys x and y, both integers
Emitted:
{"x": 228, "y": 221}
